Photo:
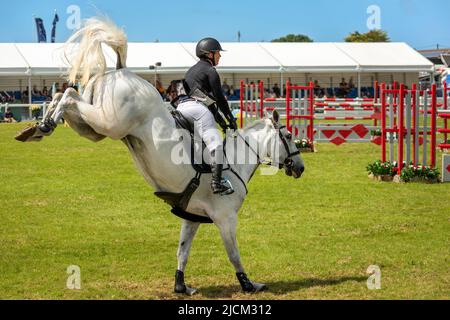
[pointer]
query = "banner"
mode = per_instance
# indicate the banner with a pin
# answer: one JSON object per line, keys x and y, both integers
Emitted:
{"x": 41, "y": 35}
{"x": 55, "y": 20}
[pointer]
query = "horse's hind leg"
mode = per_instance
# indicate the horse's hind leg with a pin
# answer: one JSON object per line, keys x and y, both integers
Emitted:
{"x": 37, "y": 131}
{"x": 228, "y": 232}
{"x": 73, "y": 117}
{"x": 188, "y": 231}
{"x": 73, "y": 108}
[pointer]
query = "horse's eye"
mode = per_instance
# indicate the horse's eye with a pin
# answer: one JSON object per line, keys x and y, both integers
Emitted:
{"x": 289, "y": 136}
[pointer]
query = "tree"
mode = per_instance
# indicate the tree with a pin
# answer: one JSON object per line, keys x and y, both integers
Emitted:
{"x": 371, "y": 36}
{"x": 293, "y": 38}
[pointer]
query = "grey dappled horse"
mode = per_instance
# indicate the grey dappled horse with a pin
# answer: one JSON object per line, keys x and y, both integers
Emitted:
{"x": 121, "y": 105}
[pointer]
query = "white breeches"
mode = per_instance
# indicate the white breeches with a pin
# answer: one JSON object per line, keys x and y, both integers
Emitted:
{"x": 204, "y": 123}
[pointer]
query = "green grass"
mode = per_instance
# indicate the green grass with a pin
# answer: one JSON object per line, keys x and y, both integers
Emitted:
{"x": 67, "y": 201}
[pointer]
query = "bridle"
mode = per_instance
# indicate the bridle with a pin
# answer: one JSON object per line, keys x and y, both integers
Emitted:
{"x": 288, "y": 162}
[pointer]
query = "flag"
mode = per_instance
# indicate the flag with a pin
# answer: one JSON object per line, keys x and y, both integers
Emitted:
{"x": 41, "y": 35}
{"x": 55, "y": 20}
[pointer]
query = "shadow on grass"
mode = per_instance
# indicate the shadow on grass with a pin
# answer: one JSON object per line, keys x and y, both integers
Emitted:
{"x": 278, "y": 288}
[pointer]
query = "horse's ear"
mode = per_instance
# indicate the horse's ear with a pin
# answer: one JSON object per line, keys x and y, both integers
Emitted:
{"x": 267, "y": 114}
{"x": 275, "y": 116}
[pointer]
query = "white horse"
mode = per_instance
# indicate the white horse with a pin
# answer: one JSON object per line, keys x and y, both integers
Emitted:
{"x": 121, "y": 105}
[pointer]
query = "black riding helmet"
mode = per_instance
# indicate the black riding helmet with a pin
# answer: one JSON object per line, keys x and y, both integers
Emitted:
{"x": 207, "y": 45}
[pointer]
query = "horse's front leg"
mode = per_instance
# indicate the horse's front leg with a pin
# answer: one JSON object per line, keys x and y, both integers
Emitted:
{"x": 227, "y": 229}
{"x": 188, "y": 231}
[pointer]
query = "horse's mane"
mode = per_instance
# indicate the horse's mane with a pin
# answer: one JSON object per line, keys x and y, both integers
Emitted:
{"x": 88, "y": 58}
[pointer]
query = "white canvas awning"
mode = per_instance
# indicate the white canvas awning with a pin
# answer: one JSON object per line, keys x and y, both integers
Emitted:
{"x": 46, "y": 58}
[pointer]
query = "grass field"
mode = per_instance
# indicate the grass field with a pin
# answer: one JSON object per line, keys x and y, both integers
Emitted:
{"x": 67, "y": 201}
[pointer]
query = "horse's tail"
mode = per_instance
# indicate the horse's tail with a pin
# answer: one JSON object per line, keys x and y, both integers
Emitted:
{"x": 89, "y": 59}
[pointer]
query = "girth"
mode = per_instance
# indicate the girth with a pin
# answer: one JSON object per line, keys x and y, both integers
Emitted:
{"x": 180, "y": 201}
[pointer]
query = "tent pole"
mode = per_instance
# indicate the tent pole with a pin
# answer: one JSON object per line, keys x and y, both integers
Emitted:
{"x": 359, "y": 84}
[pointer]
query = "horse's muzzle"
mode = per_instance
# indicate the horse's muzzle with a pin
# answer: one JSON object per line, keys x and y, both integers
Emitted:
{"x": 297, "y": 172}
{"x": 293, "y": 170}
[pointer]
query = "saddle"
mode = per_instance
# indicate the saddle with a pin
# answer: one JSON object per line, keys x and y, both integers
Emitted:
{"x": 180, "y": 201}
{"x": 182, "y": 123}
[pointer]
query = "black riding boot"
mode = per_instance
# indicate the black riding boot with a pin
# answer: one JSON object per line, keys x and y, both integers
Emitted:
{"x": 218, "y": 185}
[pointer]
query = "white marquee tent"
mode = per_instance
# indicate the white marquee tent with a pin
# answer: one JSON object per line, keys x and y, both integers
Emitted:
{"x": 41, "y": 64}
{"x": 18, "y": 59}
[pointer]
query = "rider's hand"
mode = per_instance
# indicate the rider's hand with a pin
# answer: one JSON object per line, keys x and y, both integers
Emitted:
{"x": 233, "y": 124}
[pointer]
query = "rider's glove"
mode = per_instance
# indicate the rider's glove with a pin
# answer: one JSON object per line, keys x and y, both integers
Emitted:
{"x": 233, "y": 124}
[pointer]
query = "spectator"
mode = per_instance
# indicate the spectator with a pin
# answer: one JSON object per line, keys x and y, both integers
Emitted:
{"x": 160, "y": 89}
{"x": 54, "y": 89}
{"x": 170, "y": 92}
{"x": 276, "y": 90}
{"x": 231, "y": 90}
{"x": 226, "y": 88}
{"x": 6, "y": 97}
{"x": 343, "y": 88}
{"x": 318, "y": 91}
{"x": 25, "y": 96}
{"x": 272, "y": 94}
{"x": 35, "y": 91}
{"x": 9, "y": 117}
{"x": 351, "y": 85}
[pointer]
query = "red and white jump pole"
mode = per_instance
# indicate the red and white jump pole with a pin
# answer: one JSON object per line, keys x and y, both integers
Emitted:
{"x": 402, "y": 112}
{"x": 298, "y": 108}
{"x": 250, "y": 108}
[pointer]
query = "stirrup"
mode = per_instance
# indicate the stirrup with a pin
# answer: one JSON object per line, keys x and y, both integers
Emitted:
{"x": 225, "y": 186}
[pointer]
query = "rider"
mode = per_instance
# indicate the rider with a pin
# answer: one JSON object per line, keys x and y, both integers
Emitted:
{"x": 203, "y": 83}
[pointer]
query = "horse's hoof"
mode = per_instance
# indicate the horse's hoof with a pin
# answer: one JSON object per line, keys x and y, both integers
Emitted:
{"x": 190, "y": 291}
{"x": 249, "y": 286}
{"x": 259, "y": 286}
{"x": 185, "y": 290}
{"x": 35, "y": 139}
{"x": 26, "y": 134}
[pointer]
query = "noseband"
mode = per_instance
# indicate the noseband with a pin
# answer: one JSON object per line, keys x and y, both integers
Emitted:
{"x": 287, "y": 162}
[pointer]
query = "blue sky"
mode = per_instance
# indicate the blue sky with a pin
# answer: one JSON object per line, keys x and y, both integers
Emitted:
{"x": 421, "y": 24}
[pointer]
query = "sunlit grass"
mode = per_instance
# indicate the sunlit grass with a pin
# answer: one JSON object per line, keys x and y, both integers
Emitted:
{"x": 67, "y": 201}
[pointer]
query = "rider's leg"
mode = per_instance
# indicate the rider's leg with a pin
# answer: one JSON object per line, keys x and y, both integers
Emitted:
{"x": 188, "y": 231}
{"x": 205, "y": 127}
{"x": 213, "y": 141}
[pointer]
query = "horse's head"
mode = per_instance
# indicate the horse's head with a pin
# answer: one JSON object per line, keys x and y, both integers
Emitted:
{"x": 283, "y": 150}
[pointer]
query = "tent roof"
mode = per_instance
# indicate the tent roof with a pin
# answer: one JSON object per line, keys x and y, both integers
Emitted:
{"x": 239, "y": 57}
